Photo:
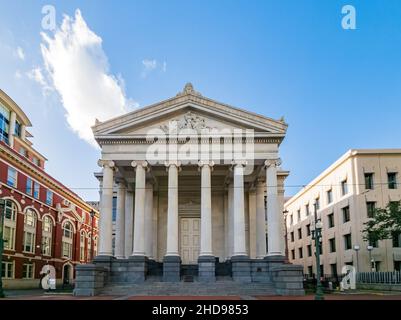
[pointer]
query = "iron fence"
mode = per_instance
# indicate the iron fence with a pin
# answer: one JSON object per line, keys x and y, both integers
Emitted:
{"x": 393, "y": 277}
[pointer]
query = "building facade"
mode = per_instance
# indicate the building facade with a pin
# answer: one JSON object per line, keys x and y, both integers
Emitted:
{"x": 191, "y": 191}
{"x": 45, "y": 223}
{"x": 346, "y": 194}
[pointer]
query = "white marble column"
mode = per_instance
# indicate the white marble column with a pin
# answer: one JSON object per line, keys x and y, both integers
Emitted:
{"x": 139, "y": 226}
{"x": 129, "y": 222}
{"x": 275, "y": 239}
{"x": 120, "y": 221}
{"x": 106, "y": 210}
{"x": 260, "y": 220}
{"x": 11, "y": 130}
{"x": 149, "y": 221}
{"x": 206, "y": 208}
{"x": 230, "y": 219}
{"x": 172, "y": 209}
{"x": 239, "y": 210}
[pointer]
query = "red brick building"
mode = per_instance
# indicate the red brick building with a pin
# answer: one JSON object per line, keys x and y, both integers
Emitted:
{"x": 44, "y": 221}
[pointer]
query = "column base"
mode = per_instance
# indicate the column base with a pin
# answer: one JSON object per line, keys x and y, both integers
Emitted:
{"x": 104, "y": 262}
{"x": 172, "y": 268}
{"x": 207, "y": 268}
{"x": 273, "y": 261}
{"x": 241, "y": 268}
{"x": 137, "y": 269}
{"x": 288, "y": 279}
{"x": 89, "y": 280}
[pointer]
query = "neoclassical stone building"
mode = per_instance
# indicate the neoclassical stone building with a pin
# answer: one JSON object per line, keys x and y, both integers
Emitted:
{"x": 196, "y": 182}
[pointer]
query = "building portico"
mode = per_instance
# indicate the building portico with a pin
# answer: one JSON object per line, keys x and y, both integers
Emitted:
{"x": 199, "y": 185}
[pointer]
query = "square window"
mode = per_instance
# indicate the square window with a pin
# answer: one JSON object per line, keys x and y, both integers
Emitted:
{"x": 392, "y": 180}
{"x": 347, "y": 242}
{"x": 332, "y": 243}
{"x": 329, "y": 196}
{"x": 346, "y": 214}
{"x": 12, "y": 177}
{"x": 330, "y": 220}
{"x": 370, "y": 208}
{"x": 344, "y": 187}
{"x": 369, "y": 181}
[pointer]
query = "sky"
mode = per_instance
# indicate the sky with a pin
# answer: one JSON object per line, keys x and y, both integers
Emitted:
{"x": 338, "y": 89}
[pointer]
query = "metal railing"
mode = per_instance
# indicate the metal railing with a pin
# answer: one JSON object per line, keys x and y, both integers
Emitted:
{"x": 393, "y": 277}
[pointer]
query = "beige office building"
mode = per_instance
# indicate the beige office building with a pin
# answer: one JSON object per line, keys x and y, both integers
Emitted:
{"x": 345, "y": 194}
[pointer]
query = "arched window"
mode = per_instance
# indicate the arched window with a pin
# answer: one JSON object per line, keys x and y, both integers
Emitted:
{"x": 82, "y": 246}
{"x": 47, "y": 229}
{"x": 68, "y": 233}
{"x": 29, "y": 230}
{"x": 10, "y": 223}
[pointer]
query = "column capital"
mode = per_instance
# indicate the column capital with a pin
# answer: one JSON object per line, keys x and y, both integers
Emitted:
{"x": 176, "y": 163}
{"x": 106, "y": 163}
{"x": 143, "y": 164}
{"x": 202, "y": 163}
{"x": 242, "y": 163}
{"x": 273, "y": 163}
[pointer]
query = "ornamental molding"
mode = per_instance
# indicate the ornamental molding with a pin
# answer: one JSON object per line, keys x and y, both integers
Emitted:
{"x": 190, "y": 121}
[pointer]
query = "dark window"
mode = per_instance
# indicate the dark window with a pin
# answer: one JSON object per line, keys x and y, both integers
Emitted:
{"x": 396, "y": 239}
{"x": 329, "y": 196}
{"x": 332, "y": 243}
{"x": 317, "y": 203}
{"x": 321, "y": 269}
{"x": 300, "y": 253}
{"x": 397, "y": 265}
{"x": 321, "y": 248}
{"x": 299, "y": 233}
{"x": 333, "y": 269}
{"x": 330, "y": 220}
{"x": 293, "y": 254}
{"x": 307, "y": 210}
{"x": 347, "y": 242}
{"x": 4, "y": 123}
{"x": 291, "y": 220}
{"x": 346, "y": 214}
{"x": 308, "y": 230}
{"x": 310, "y": 271}
{"x": 114, "y": 208}
{"x": 344, "y": 187}
{"x": 292, "y": 236}
{"x": 370, "y": 208}
{"x": 369, "y": 181}
{"x": 17, "y": 129}
{"x": 392, "y": 180}
{"x": 377, "y": 266}
{"x": 309, "y": 249}
{"x": 299, "y": 215}
{"x": 373, "y": 243}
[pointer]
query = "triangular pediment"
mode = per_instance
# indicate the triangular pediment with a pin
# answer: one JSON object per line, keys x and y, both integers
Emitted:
{"x": 189, "y": 110}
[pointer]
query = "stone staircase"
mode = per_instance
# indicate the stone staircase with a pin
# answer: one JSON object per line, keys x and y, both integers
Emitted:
{"x": 224, "y": 286}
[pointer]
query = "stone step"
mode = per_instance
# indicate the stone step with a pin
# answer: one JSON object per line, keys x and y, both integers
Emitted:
{"x": 194, "y": 288}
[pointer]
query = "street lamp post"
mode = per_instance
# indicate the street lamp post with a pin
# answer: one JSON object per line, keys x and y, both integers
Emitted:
{"x": 317, "y": 235}
{"x": 92, "y": 214}
{"x": 357, "y": 248}
{"x": 286, "y": 236}
{"x": 370, "y": 248}
{"x": 2, "y": 213}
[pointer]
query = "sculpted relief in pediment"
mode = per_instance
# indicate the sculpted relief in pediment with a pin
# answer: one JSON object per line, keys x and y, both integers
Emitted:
{"x": 190, "y": 121}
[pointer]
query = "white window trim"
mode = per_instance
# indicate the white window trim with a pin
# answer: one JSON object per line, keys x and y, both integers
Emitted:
{"x": 15, "y": 186}
{"x": 33, "y": 271}
{"x": 12, "y": 263}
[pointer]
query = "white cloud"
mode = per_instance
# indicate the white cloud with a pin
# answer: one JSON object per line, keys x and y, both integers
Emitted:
{"x": 78, "y": 69}
{"x": 36, "y": 75}
{"x": 17, "y": 74}
{"x": 20, "y": 53}
{"x": 148, "y": 67}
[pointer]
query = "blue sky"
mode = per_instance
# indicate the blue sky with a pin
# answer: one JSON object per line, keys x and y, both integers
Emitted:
{"x": 337, "y": 89}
